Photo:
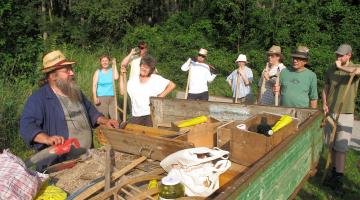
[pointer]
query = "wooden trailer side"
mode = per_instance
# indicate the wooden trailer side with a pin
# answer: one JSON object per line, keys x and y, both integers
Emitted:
{"x": 281, "y": 173}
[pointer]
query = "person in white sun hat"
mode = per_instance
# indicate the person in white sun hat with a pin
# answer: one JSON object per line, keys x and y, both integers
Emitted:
{"x": 240, "y": 81}
{"x": 199, "y": 76}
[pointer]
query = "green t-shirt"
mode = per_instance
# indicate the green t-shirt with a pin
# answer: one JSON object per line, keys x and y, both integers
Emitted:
{"x": 337, "y": 81}
{"x": 298, "y": 88}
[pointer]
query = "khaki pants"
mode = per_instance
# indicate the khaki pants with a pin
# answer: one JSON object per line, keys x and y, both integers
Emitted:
{"x": 107, "y": 106}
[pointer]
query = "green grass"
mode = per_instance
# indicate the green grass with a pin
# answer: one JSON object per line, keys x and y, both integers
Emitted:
{"x": 314, "y": 190}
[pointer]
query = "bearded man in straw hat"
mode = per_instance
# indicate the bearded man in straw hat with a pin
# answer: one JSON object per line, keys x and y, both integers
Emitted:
{"x": 269, "y": 76}
{"x": 199, "y": 76}
{"x": 336, "y": 80}
{"x": 58, "y": 110}
{"x": 298, "y": 84}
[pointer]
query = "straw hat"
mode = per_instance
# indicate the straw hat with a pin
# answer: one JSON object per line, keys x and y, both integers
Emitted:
{"x": 275, "y": 50}
{"x": 241, "y": 58}
{"x": 54, "y": 60}
{"x": 301, "y": 52}
{"x": 203, "y": 52}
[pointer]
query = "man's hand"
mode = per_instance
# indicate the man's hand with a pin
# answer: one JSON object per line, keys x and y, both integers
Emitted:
{"x": 112, "y": 123}
{"x": 108, "y": 122}
{"x": 325, "y": 108}
{"x": 44, "y": 138}
{"x": 338, "y": 64}
{"x": 54, "y": 140}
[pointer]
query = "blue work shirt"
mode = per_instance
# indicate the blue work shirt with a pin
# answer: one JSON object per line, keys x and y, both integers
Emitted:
{"x": 43, "y": 113}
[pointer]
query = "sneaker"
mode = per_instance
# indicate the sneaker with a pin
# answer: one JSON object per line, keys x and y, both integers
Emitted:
{"x": 335, "y": 182}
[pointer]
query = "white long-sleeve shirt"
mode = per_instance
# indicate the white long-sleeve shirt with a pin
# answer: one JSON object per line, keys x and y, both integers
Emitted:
{"x": 200, "y": 76}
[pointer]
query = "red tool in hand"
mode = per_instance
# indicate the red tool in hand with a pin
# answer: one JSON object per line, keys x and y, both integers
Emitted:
{"x": 65, "y": 147}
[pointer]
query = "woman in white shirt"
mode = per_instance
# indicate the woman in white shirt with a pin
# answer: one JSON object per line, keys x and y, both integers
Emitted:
{"x": 141, "y": 88}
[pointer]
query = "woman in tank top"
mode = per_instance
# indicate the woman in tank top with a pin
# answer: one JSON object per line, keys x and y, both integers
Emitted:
{"x": 103, "y": 87}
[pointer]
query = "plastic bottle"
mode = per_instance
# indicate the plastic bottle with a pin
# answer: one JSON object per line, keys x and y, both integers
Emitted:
{"x": 193, "y": 121}
{"x": 171, "y": 188}
{"x": 284, "y": 120}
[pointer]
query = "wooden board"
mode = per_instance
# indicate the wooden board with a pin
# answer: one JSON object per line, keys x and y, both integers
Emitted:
{"x": 156, "y": 148}
{"x": 247, "y": 146}
{"x": 148, "y": 130}
{"x": 165, "y": 111}
{"x": 200, "y": 135}
{"x": 232, "y": 173}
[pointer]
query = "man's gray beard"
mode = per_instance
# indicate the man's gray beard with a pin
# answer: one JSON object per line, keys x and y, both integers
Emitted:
{"x": 70, "y": 89}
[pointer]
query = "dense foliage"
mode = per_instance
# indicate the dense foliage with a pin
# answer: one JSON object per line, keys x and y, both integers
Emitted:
{"x": 175, "y": 30}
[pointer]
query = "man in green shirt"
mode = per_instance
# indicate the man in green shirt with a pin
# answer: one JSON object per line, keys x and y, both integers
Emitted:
{"x": 336, "y": 80}
{"x": 298, "y": 85}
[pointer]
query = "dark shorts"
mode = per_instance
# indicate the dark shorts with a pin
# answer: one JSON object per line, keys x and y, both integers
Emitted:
{"x": 200, "y": 96}
{"x": 142, "y": 120}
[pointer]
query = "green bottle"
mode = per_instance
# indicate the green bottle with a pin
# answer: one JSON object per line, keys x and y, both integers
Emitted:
{"x": 171, "y": 188}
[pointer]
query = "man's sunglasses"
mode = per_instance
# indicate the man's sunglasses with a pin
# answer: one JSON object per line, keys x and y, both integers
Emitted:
{"x": 202, "y": 55}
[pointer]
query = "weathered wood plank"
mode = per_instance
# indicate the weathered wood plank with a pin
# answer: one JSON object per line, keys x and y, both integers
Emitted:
{"x": 148, "y": 130}
{"x": 156, "y": 148}
{"x": 169, "y": 110}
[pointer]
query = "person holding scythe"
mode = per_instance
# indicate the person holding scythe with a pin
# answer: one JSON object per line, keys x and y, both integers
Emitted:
{"x": 240, "y": 81}
{"x": 339, "y": 95}
{"x": 270, "y": 77}
{"x": 104, "y": 90}
{"x": 298, "y": 84}
{"x": 199, "y": 75}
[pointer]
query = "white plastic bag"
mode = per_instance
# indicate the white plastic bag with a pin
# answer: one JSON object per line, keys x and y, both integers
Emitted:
{"x": 198, "y": 169}
{"x": 16, "y": 181}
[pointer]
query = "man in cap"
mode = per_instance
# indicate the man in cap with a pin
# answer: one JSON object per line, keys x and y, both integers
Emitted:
{"x": 336, "y": 80}
{"x": 134, "y": 57}
{"x": 270, "y": 75}
{"x": 199, "y": 76}
{"x": 240, "y": 81}
{"x": 58, "y": 110}
{"x": 298, "y": 85}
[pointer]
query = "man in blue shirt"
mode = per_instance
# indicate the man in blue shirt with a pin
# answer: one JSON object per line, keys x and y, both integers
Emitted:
{"x": 58, "y": 110}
